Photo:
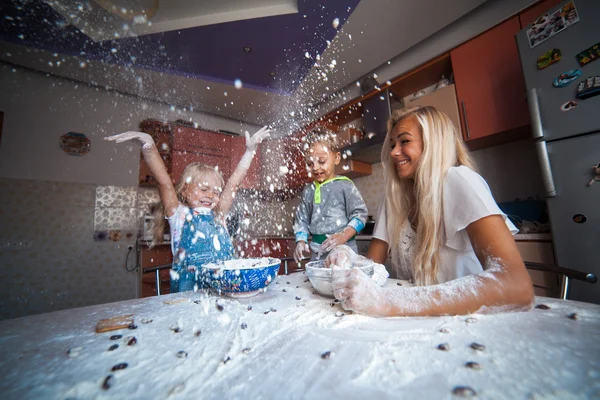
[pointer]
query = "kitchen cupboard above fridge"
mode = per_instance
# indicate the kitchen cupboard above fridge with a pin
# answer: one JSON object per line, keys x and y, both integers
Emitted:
{"x": 567, "y": 130}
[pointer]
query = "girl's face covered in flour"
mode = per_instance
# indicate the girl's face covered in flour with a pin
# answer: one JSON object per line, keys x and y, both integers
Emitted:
{"x": 203, "y": 192}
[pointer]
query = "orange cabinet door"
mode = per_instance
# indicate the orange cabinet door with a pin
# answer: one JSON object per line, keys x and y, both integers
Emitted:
{"x": 181, "y": 159}
{"x": 528, "y": 16}
{"x": 195, "y": 140}
{"x": 297, "y": 175}
{"x": 489, "y": 82}
{"x": 252, "y": 178}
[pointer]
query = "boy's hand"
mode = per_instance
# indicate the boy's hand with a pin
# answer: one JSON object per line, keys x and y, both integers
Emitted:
{"x": 253, "y": 141}
{"x": 337, "y": 239}
{"x": 301, "y": 248}
{"x": 342, "y": 256}
{"x": 140, "y": 137}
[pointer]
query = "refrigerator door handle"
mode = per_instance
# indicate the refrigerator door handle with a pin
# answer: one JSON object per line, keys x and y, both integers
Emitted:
{"x": 536, "y": 115}
{"x": 546, "y": 170}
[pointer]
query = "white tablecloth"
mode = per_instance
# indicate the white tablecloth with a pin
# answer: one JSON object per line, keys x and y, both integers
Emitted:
{"x": 538, "y": 354}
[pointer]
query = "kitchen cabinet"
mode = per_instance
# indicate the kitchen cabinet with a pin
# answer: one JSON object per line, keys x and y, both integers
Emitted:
{"x": 489, "y": 84}
{"x": 161, "y": 133}
{"x": 238, "y": 148}
{"x": 544, "y": 283}
{"x": 529, "y": 16}
{"x": 152, "y": 257}
{"x": 297, "y": 176}
{"x": 195, "y": 146}
{"x": 443, "y": 99}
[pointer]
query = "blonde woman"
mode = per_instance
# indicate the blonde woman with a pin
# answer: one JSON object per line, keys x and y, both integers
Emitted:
{"x": 441, "y": 226}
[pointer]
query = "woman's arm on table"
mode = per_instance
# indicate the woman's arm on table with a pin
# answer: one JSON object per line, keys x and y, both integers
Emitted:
{"x": 504, "y": 284}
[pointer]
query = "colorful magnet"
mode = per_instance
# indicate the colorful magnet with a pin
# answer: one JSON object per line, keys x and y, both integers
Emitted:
{"x": 589, "y": 55}
{"x": 588, "y": 88}
{"x": 579, "y": 218}
{"x": 75, "y": 144}
{"x": 549, "y": 58}
{"x": 548, "y": 25}
{"x": 568, "y": 106}
{"x": 566, "y": 77}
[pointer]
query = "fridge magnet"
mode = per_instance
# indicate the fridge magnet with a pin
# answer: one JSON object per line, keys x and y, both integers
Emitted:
{"x": 579, "y": 218}
{"x": 548, "y": 25}
{"x": 588, "y": 88}
{"x": 596, "y": 178}
{"x": 568, "y": 106}
{"x": 75, "y": 144}
{"x": 549, "y": 58}
{"x": 566, "y": 77}
{"x": 589, "y": 55}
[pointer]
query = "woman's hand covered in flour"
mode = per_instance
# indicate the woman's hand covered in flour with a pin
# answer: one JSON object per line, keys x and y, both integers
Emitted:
{"x": 342, "y": 256}
{"x": 356, "y": 291}
{"x": 140, "y": 137}
{"x": 337, "y": 239}
{"x": 253, "y": 141}
{"x": 301, "y": 248}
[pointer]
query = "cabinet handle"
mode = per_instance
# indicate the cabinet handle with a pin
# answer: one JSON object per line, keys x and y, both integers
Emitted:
{"x": 464, "y": 110}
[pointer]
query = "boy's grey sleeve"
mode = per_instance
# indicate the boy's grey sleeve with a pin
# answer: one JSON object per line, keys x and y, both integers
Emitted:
{"x": 302, "y": 219}
{"x": 356, "y": 209}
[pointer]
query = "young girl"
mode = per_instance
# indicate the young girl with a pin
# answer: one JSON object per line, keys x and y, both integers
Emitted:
{"x": 332, "y": 209}
{"x": 195, "y": 208}
{"x": 441, "y": 226}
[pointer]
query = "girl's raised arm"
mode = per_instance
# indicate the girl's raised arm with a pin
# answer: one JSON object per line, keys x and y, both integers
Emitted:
{"x": 168, "y": 196}
{"x": 240, "y": 171}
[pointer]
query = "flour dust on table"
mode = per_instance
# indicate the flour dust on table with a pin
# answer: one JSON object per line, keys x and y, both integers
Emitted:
{"x": 289, "y": 343}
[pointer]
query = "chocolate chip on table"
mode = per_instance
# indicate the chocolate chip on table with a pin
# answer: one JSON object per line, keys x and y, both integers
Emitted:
{"x": 477, "y": 346}
{"x": 297, "y": 287}
{"x": 542, "y": 307}
{"x": 473, "y": 365}
{"x": 132, "y": 326}
{"x": 398, "y": 283}
{"x": 108, "y": 382}
{"x": 268, "y": 311}
{"x": 219, "y": 306}
{"x": 443, "y": 346}
{"x": 464, "y": 391}
{"x": 470, "y": 320}
{"x": 445, "y": 330}
{"x": 226, "y": 359}
{"x": 339, "y": 314}
{"x": 288, "y": 282}
{"x": 113, "y": 347}
{"x": 119, "y": 366}
{"x": 306, "y": 280}
{"x": 244, "y": 325}
{"x": 250, "y": 308}
{"x": 273, "y": 309}
{"x": 198, "y": 333}
{"x": 327, "y": 355}
{"x": 246, "y": 350}
{"x": 116, "y": 337}
{"x": 314, "y": 292}
{"x": 132, "y": 341}
{"x": 175, "y": 328}
{"x": 182, "y": 354}
{"x": 298, "y": 298}
{"x": 74, "y": 351}
{"x": 146, "y": 320}
{"x": 572, "y": 316}
{"x": 284, "y": 290}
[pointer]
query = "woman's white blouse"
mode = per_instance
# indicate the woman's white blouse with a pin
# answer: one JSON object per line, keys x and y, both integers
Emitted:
{"x": 467, "y": 198}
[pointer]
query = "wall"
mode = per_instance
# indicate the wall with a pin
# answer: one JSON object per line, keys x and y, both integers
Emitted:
{"x": 80, "y": 213}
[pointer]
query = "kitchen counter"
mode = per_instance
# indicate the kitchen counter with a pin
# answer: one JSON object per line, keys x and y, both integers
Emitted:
{"x": 274, "y": 345}
{"x": 545, "y": 237}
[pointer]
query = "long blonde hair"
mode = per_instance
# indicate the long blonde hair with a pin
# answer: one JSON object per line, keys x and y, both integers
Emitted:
{"x": 192, "y": 174}
{"x": 443, "y": 148}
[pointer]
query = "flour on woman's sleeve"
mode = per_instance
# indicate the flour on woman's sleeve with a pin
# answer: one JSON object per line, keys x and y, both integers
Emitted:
{"x": 467, "y": 198}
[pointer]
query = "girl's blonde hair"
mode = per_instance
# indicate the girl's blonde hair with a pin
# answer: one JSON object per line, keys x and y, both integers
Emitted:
{"x": 443, "y": 148}
{"x": 192, "y": 174}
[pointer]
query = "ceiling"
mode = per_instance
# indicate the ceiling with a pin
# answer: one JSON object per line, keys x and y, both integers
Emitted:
{"x": 259, "y": 61}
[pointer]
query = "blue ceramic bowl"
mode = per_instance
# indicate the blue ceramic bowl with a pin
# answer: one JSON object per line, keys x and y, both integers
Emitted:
{"x": 241, "y": 278}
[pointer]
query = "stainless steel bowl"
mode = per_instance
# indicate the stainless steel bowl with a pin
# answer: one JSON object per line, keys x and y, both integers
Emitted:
{"x": 320, "y": 276}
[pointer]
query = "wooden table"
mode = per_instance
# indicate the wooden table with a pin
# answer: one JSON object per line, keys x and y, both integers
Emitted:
{"x": 277, "y": 349}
